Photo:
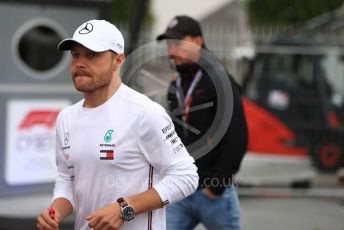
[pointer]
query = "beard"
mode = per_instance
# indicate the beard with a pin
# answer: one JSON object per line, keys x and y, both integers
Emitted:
{"x": 87, "y": 83}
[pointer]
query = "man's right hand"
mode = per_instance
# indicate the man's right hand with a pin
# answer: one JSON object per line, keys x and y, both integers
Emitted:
{"x": 45, "y": 222}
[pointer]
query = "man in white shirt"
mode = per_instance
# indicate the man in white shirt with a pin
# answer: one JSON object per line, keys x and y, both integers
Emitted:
{"x": 118, "y": 157}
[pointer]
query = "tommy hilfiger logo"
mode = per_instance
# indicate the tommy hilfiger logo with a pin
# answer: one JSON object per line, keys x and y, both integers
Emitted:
{"x": 106, "y": 155}
{"x": 107, "y": 136}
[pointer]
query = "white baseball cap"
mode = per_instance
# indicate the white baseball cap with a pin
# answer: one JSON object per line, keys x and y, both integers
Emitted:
{"x": 96, "y": 35}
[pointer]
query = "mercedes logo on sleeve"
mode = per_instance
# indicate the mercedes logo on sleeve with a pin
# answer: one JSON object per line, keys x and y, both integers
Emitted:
{"x": 87, "y": 29}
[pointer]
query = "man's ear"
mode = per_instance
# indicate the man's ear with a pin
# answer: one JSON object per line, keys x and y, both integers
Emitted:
{"x": 198, "y": 40}
{"x": 119, "y": 59}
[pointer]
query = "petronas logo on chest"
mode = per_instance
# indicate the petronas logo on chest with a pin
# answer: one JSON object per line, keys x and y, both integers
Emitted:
{"x": 108, "y": 137}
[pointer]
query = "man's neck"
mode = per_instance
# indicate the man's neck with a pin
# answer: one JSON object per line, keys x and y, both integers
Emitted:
{"x": 187, "y": 71}
{"x": 101, "y": 95}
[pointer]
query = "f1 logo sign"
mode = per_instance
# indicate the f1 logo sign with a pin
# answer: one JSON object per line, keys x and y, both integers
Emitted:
{"x": 39, "y": 117}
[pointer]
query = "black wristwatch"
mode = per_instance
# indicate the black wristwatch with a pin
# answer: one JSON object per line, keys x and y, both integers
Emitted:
{"x": 127, "y": 212}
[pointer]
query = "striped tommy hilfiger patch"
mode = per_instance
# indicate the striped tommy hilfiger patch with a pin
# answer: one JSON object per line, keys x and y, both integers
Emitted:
{"x": 106, "y": 155}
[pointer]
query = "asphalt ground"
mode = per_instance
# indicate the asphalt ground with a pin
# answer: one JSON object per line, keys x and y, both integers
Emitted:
{"x": 320, "y": 207}
{"x": 263, "y": 208}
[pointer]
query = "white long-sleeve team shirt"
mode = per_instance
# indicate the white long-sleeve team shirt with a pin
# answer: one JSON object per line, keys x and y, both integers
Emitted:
{"x": 120, "y": 148}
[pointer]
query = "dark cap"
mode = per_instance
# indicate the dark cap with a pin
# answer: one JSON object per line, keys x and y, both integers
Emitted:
{"x": 181, "y": 26}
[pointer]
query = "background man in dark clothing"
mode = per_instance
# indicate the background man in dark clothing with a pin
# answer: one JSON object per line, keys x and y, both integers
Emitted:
{"x": 215, "y": 203}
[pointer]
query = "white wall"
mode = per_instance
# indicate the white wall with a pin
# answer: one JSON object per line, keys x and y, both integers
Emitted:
{"x": 165, "y": 10}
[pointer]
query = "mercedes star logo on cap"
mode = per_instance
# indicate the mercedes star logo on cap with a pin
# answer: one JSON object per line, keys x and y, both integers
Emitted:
{"x": 87, "y": 29}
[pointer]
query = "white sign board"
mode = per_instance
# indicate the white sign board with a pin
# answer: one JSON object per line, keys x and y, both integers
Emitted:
{"x": 30, "y": 141}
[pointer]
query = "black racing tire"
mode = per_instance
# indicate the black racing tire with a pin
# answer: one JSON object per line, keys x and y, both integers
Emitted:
{"x": 328, "y": 154}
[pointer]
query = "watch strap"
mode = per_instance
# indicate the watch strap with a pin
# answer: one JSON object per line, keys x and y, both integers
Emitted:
{"x": 122, "y": 202}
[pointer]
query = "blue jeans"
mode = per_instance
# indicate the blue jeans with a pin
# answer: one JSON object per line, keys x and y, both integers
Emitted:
{"x": 217, "y": 213}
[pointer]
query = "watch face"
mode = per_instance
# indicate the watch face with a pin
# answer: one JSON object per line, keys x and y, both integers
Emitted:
{"x": 128, "y": 213}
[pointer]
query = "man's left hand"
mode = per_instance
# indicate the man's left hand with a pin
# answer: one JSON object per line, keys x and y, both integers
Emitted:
{"x": 108, "y": 217}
